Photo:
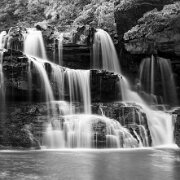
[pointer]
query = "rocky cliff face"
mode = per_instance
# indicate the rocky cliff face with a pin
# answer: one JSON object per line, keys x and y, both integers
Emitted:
{"x": 17, "y": 69}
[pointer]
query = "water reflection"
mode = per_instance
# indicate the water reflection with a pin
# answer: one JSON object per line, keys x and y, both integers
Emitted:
{"x": 91, "y": 165}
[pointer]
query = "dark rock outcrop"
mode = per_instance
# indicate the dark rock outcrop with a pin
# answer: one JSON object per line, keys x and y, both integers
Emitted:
{"x": 17, "y": 69}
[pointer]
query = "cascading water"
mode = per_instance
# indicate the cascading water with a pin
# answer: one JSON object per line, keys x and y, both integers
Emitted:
{"x": 2, "y": 39}
{"x": 104, "y": 52}
{"x": 159, "y": 70}
{"x": 34, "y": 44}
{"x": 168, "y": 84}
{"x": 40, "y": 68}
{"x": 57, "y": 76}
{"x": 79, "y": 87}
{"x": 70, "y": 130}
{"x": 2, "y": 88}
{"x": 147, "y": 74}
{"x": 159, "y": 123}
{"x": 60, "y": 49}
{"x": 78, "y": 131}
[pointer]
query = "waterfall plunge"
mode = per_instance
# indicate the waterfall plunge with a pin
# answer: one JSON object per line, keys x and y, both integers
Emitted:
{"x": 104, "y": 52}
{"x": 60, "y": 49}
{"x": 158, "y": 69}
{"x": 2, "y": 39}
{"x": 34, "y": 44}
{"x": 79, "y": 87}
{"x": 76, "y": 130}
{"x": 160, "y": 123}
{"x": 2, "y": 88}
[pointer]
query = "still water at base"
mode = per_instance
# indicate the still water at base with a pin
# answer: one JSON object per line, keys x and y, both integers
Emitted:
{"x": 159, "y": 164}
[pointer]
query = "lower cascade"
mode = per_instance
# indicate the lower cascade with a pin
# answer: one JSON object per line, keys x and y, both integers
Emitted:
{"x": 88, "y": 131}
{"x": 73, "y": 121}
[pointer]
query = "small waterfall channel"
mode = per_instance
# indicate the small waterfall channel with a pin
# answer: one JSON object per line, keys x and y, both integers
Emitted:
{"x": 159, "y": 70}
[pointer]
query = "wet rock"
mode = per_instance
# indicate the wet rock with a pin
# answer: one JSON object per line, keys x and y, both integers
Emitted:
{"x": 16, "y": 67}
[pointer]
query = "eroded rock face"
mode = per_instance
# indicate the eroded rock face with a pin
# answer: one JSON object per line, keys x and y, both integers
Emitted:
{"x": 156, "y": 31}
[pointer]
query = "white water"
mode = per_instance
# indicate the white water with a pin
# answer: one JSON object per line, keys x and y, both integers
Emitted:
{"x": 44, "y": 80}
{"x": 153, "y": 69}
{"x": 57, "y": 76}
{"x": 160, "y": 123}
{"x": 34, "y": 44}
{"x": 77, "y": 132}
{"x": 168, "y": 83}
{"x": 79, "y": 87}
{"x": 104, "y": 52}
{"x": 2, "y": 39}
{"x": 60, "y": 49}
{"x": 2, "y": 88}
{"x": 147, "y": 74}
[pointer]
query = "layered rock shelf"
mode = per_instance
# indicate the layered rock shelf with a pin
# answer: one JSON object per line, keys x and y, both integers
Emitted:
{"x": 25, "y": 123}
{"x": 104, "y": 84}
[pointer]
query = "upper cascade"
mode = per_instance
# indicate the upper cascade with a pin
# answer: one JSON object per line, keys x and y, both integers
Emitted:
{"x": 34, "y": 44}
{"x": 104, "y": 52}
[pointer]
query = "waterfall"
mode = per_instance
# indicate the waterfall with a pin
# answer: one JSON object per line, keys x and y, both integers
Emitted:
{"x": 168, "y": 83}
{"x": 79, "y": 131}
{"x": 60, "y": 49}
{"x": 147, "y": 74}
{"x": 160, "y": 123}
{"x": 34, "y": 44}
{"x": 158, "y": 69}
{"x": 57, "y": 76}
{"x": 2, "y": 39}
{"x": 2, "y": 88}
{"x": 46, "y": 86}
{"x": 46, "y": 89}
{"x": 68, "y": 129}
{"x": 104, "y": 52}
{"x": 79, "y": 87}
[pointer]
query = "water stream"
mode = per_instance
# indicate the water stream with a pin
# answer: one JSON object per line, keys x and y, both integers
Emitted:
{"x": 82, "y": 129}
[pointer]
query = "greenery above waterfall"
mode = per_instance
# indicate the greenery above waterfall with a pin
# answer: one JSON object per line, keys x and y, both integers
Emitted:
{"x": 56, "y": 12}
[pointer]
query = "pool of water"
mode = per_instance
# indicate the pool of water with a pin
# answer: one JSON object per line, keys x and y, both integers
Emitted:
{"x": 143, "y": 164}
